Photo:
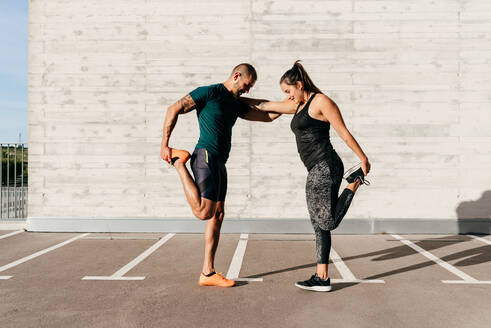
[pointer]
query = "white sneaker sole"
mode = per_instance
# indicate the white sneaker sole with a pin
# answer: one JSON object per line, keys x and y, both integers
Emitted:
{"x": 351, "y": 170}
{"x": 315, "y": 288}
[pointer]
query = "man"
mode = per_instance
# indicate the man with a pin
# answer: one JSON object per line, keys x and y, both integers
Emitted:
{"x": 217, "y": 107}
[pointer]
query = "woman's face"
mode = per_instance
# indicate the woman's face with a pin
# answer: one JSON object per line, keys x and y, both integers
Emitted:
{"x": 294, "y": 92}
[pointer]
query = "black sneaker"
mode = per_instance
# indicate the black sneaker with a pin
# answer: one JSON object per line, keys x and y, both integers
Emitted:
{"x": 356, "y": 173}
{"x": 315, "y": 284}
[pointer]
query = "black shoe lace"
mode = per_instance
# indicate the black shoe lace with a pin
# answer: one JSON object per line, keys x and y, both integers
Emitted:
{"x": 363, "y": 180}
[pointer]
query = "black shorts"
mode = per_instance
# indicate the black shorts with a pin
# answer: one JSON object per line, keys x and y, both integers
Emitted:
{"x": 210, "y": 175}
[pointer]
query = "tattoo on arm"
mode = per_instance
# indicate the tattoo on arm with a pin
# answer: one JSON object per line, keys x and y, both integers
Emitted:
{"x": 183, "y": 105}
{"x": 187, "y": 104}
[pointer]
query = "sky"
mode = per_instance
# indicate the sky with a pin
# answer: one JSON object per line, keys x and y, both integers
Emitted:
{"x": 13, "y": 70}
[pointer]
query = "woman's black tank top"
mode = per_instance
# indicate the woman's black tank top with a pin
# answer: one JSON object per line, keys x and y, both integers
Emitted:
{"x": 312, "y": 136}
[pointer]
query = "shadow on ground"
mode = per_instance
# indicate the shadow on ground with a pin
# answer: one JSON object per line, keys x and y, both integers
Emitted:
{"x": 472, "y": 256}
{"x": 480, "y": 213}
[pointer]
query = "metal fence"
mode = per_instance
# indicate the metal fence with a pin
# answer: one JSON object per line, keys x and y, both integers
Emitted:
{"x": 13, "y": 178}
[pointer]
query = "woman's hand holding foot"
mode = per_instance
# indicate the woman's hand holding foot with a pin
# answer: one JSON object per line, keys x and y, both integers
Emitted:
{"x": 365, "y": 166}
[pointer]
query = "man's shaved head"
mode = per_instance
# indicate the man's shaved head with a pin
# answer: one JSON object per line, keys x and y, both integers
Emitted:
{"x": 245, "y": 70}
{"x": 241, "y": 80}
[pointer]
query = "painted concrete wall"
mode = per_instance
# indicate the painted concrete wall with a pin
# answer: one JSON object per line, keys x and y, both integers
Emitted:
{"x": 412, "y": 79}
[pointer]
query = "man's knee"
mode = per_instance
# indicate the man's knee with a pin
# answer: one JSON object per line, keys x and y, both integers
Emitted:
{"x": 207, "y": 212}
{"x": 204, "y": 214}
{"x": 212, "y": 210}
{"x": 219, "y": 214}
{"x": 219, "y": 211}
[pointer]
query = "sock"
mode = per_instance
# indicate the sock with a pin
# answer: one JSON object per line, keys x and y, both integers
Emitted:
{"x": 210, "y": 274}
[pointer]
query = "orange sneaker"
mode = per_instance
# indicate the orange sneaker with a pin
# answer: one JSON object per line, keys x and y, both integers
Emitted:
{"x": 181, "y": 154}
{"x": 215, "y": 280}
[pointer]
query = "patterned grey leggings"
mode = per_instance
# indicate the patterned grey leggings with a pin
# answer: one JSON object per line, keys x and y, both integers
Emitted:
{"x": 325, "y": 208}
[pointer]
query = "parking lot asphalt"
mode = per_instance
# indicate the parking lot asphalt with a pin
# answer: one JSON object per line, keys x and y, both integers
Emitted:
{"x": 150, "y": 280}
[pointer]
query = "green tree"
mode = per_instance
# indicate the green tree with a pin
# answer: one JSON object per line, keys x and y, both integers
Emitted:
{"x": 14, "y": 165}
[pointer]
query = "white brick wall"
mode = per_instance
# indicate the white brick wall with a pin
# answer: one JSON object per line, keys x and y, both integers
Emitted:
{"x": 412, "y": 79}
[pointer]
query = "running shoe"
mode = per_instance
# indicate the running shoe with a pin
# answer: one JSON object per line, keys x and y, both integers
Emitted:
{"x": 356, "y": 173}
{"x": 176, "y": 154}
{"x": 215, "y": 280}
{"x": 316, "y": 284}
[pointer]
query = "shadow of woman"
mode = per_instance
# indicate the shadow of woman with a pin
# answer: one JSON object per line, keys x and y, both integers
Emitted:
{"x": 381, "y": 255}
{"x": 473, "y": 217}
{"x": 467, "y": 257}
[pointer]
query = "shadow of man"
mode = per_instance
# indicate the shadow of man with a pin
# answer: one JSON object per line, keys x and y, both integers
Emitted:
{"x": 475, "y": 216}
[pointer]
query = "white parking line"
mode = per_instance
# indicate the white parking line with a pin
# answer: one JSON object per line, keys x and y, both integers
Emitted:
{"x": 32, "y": 256}
{"x": 481, "y": 239}
{"x": 477, "y": 282}
{"x": 122, "y": 238}
{"x": 348, "y": 276}
{"x": 118, "y": 275}
{"x": 11, "y": 234}
{"x": 466, "y": 279}
{"x": 236, "y": 264}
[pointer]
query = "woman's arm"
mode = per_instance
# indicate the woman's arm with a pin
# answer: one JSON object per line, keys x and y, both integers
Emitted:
{"x": 254, "y": 114}
{"x": 331, "y": 112}
{"x": 281, "y": 107}
{"x": 258, "y": 116}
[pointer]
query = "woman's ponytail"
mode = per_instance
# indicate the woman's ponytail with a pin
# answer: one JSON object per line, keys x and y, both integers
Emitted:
{"x": 298, "y": 73}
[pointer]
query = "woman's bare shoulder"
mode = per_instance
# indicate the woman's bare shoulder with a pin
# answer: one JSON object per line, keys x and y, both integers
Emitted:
{"x": 322, "y": 102}
{"x": 324, "y": 99}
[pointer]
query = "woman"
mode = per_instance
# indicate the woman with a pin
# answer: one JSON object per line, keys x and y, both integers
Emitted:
{"x": 314, "y": 113}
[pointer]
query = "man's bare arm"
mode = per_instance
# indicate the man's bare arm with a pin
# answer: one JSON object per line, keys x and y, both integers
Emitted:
{"x": 182, "y": 106}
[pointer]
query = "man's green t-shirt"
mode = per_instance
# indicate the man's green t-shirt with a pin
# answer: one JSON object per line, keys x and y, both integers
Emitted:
{"x": 217, "y": 111}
